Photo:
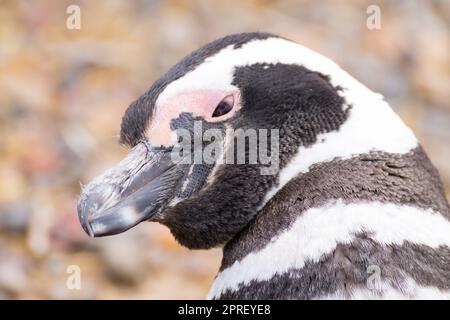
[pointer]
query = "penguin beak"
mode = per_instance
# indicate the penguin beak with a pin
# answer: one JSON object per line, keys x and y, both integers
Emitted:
{"x": 137, "y": 189}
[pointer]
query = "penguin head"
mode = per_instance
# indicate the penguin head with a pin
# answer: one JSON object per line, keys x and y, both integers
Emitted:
{"x": 213, "y": 140}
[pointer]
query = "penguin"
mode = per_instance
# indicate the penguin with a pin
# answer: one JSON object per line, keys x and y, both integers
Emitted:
{"x": 354, "y": 209}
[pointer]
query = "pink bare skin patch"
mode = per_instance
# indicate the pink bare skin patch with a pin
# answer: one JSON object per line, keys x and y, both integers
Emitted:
{"x": 199, "y": 103}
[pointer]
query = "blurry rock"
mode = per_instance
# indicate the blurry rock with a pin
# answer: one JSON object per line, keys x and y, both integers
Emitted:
{"x": 124, "y": 256}
{"x": 38, "y": 237}
{"x": 12, "y": 185}
{"x": 14, "y": 217}
{"x": 38, "y": 157}
{"x": 13, "y": 273}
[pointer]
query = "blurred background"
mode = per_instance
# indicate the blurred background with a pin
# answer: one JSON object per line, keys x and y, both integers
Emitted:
{"x": 63, "y": 93}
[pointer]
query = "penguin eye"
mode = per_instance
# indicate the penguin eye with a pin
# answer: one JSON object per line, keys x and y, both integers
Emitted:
{"x": 224, "y": 106}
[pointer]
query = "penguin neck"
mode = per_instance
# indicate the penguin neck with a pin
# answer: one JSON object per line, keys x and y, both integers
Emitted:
{"x": 407, "y": 179}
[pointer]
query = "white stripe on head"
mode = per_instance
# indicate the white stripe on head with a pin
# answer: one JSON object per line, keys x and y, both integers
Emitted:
{"x": 318, "y": 230}
{"x": 369, "y": 128}
{"x": 216, "y": 72}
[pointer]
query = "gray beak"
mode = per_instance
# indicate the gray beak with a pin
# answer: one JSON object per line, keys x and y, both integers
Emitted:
{"x": 137, "y": 189}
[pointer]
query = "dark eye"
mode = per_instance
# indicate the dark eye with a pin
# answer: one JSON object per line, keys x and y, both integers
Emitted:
{"x": 224, "y": 107}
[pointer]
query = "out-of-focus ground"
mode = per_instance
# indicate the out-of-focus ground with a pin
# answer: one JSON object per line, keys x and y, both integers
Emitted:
{"x": 63, "y": 92}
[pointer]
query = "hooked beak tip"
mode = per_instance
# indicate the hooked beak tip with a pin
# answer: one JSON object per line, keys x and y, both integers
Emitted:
{"x": 88, "y": 230}
{"x": 83, "y": 217}
{"x": 107, "y": 207}
{"x": 85, "y": 225}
